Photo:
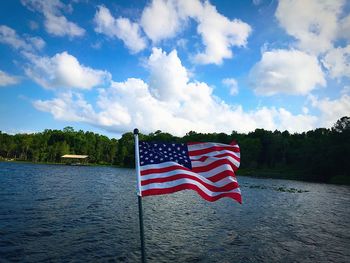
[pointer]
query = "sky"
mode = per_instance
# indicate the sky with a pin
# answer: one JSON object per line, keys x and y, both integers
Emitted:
{"x": 175, "y": 65}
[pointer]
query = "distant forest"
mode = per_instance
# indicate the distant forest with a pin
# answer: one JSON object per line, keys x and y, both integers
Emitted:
{"x": 321, "y": 155}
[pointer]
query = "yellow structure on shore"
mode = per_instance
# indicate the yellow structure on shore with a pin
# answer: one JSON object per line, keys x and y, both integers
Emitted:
{"x": 75, "y": 159}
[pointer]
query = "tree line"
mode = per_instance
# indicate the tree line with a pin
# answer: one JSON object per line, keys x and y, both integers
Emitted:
{"x": 317, "y": 155}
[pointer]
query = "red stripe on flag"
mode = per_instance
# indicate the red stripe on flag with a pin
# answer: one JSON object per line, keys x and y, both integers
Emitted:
{"x": 163, "y": 169}
{"x": 204, "y": 158}
{"x": 213, "y": 149}
{"x": 162, "y": 191}
{"x": 208, "y": 167}
{"x": 212, "y": 188}
{"x": 230, "y": 155}
{"x": 217, "y": 177}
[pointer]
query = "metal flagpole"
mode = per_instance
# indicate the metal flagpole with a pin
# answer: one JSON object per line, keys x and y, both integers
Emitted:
{"x": 139, "y": 198}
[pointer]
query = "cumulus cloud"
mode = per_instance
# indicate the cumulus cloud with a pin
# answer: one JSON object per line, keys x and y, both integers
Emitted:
{"x": 344, "y": 28}
{"x": 286, "y": 71}
{"x": 219, "y": 35}
{"x": 63, "y": 70}
{"x": 131, "y": 104}
{"x": 121, "y": 28}
{"x": 37, "y": 42}
{"x": 55, "y": 23}
{"x": 68, "y": 106}
{"x": 186, "y": 105}
{"x": 60, "y": 26}
{"x": 164, "y": 19}
{"x": 331, "y": 110}
{"x": 232, "y": 84}
{"x": 168, "y": 78}
{"x": 10, "y": 37}
{"x": 337, "y": 62}
{"x": 160, "y": 20}
{"x": 313, "y": 23}
{"x": 6, "y": 79}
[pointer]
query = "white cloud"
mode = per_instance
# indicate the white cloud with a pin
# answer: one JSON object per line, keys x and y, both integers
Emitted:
{"x": 346, "y": 90}
{"x": 286, "y": 71}
{"x": 313, "y": 23}
{"x": 121, "y": 28}
{"x": 10, "y": 37}
{"x": 295, "y": 123}
{"x": 232, "y": 84}
{"x": 344, "y": 28}
{"x": 331, "y": 110}
{"x": 6, "y": 79}
{"x": 337, "y": 62}
{"x": 33, "y": 25}
{"x": 55, "y": 23}
{"x": 53, "y": 6}
{"x": 186, "y": 105}
{"x": 60, "y": 26}
{"x": 37, "y": 42}
{"x": 68, "y": 106}
{"x": 168, "y": 78}
{"x": 257, "y": 2}
{"x": 160, "y": 20}
{"x": 305, "y": 110}
{"x": 182, "y": 43}
{"x": 164, "y": 19}
{"x": 219, "y": 35}
{"x": 63, "y": 70}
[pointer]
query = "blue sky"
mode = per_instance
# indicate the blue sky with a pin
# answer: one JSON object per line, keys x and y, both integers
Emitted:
{"x": 175, "y": 66}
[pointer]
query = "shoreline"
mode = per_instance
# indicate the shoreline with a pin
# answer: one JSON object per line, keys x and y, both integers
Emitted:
{"x": 64, "y": 164}
{"x": 264, "y": 173}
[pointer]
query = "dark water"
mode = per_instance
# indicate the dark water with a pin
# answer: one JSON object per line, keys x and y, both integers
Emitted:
{"x": 89, "y": 214}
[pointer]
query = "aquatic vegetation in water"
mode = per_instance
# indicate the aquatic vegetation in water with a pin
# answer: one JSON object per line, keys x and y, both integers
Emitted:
{"x": 289, "y": 190}
{"x": 278, "y": 189}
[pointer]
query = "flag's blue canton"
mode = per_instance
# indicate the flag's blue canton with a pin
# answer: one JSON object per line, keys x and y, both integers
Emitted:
{"x": 153, "y": 153}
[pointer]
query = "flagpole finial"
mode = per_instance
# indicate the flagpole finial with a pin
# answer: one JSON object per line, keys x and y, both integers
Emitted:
{"x": 136, "y": 131}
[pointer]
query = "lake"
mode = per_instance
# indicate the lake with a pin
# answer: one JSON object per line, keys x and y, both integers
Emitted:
{"x": 54, "y": 213}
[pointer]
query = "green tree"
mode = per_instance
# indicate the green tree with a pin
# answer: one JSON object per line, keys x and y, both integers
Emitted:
{"x": 342, "y": 124}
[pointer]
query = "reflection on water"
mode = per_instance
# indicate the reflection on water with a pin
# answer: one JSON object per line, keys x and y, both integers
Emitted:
{"x": 89, "y": 214}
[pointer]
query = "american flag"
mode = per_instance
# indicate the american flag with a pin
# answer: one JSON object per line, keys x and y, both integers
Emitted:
{"x": 207, "y": 168}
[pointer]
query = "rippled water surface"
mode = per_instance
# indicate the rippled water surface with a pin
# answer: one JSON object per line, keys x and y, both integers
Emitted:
{"x": 53, "y": 213}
